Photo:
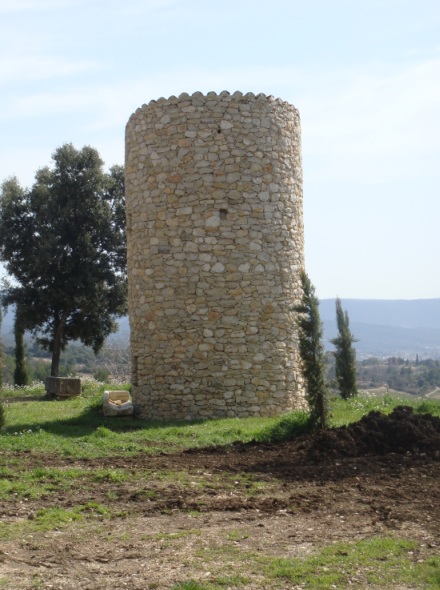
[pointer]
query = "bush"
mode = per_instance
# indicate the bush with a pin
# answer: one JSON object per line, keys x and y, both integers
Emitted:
{"x": 101, "y": 375}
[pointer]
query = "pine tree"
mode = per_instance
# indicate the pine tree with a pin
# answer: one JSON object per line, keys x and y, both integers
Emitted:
{"x": 311, "y": 352}
{"x": 345, "y": 354}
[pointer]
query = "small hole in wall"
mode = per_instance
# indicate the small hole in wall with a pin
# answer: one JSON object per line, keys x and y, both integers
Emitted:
{"x": 223, "y": 213}
{"x": 219, "y": 130}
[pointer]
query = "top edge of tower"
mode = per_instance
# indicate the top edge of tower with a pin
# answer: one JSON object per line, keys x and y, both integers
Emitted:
{"x": 221, "y": 96}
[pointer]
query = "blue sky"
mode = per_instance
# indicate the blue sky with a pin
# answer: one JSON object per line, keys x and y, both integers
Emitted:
{"x": 365, "y": 76}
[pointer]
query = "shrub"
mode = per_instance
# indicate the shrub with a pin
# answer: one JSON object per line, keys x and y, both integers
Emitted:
{"x": 101, "y": 375}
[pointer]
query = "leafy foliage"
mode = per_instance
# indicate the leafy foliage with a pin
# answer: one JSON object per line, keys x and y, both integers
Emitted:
{"x": 345, "y": 355}
{"x": 63, "y": 241}
{"x": 312, "y": 354}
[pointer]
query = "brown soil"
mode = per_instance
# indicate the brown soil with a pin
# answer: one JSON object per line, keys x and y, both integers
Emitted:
{"x": 202, "y": 513}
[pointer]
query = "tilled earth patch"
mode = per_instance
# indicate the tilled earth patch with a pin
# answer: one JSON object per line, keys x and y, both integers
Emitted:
{"x": 219, "y": 515}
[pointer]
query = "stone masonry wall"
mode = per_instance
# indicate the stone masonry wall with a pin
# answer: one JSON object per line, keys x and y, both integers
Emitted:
{"x": 215, "y": 250}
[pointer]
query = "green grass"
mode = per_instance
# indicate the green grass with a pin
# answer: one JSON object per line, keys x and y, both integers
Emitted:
{"x": 35, "y": 389}
{"x": 77, "y": 427}
{"x": 89, "y": 388}
{"x": 49, "y": 519}
{"x": 219, "y": 583}
{"x": 236, "y": 536}
{"x": 380, "y": 562}
{"x": 351, "y": 410}
{"x": 36, "y": 483}
{"x": 191, "y": 585}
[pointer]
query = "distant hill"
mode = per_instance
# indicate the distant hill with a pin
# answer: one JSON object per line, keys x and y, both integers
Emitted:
{"x": 388, "y": 327}
{"x": 401, "y": 313}
{"x": 7, "y": 331}
{"x": 384, "y": 327}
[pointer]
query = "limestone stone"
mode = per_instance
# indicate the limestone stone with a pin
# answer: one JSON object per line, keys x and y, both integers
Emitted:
{"x": 63, "y": 387}
{"x": 215, "y": 250}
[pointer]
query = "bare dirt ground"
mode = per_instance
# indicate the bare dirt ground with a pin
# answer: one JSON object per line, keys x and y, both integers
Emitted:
{"x": 435, "y": 394}
{"x": 217, "y": 510}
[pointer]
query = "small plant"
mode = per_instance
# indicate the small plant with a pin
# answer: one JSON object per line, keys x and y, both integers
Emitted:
{"x": 102, "y": 432}
{"x": 2, "y": 415}
{"x": 190, "y": 585}
{"x": 112, "y": 475}
{"x": 237, "y": 536}
{"x": 287, "y": 427}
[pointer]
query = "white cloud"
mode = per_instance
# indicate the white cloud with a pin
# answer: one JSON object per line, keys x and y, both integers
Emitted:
{"x": 386, "y": 122}
{"x": 376, "y": 119}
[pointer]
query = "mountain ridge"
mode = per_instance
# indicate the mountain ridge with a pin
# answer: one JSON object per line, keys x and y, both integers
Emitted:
{"x": 402, "y": 313}
{"x": 388, "y": 327}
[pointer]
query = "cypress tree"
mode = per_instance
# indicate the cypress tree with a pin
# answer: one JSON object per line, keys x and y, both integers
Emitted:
{"x": 311, "y": 351}
{"x": 1, "y": 352}
{"x": 20, "y": 373}
{"x": 345, "y": 354}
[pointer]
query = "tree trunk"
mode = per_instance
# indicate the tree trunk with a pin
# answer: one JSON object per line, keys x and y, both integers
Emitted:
{"x": 56, "y": 349}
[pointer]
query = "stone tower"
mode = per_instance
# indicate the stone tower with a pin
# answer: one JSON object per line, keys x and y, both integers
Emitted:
{"x": 215, "y": 251}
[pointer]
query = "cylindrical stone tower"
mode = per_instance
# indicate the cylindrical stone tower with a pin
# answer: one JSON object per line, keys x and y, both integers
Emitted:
{"x": 215, "y": 251}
